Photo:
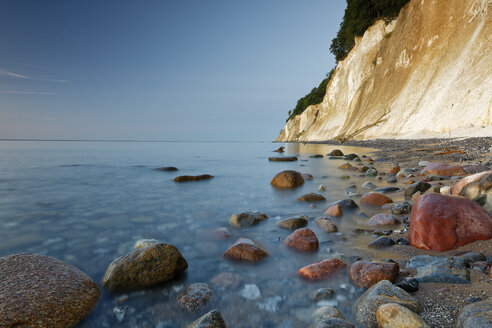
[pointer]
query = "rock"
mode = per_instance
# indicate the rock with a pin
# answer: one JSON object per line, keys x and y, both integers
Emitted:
{"x": 227, "y": 280}
{"x": 316, "y": 156}
{"x": 167, "y": 169}
{"x": 439, "y": 269}
{"x": 335, "y": 152}
{"x": 483, "y": 266}
{"x": 346, "y": 203}
{"x": 322, "y": 270}
{"x": 41, "y": 291}
{"x": 350, "y": 157}
{"x": 477, "y": 187}
{"x": 326, "y": 224}
{"x": 212, "y": 319}
{"x": 348, "y": 166}
{"x": 446, "y": 190}
{"x": 477, "y": 168}
{"x": 387, "y": 190}
{"x": 401, "y": 208}
{"x": 334, "y": 210}
{"x": 215, "y": 234}
{"x": 144, "y": 267}
{"x": 382, "y": 293}
{"x": 476, "y": 315}
{"x": 470, "y": 257}
{"x": 323, "y": 294}
{"x": 392, "y": 180}
{"x": 416, "y": 196}
{"x": 421, "y": 186}
{"x": 392, "y": 315}
{"x": 382, "y": 242}
{"x": 440, "y": 223}
{"x": 184, "y": 178}
{"x": 287, "y": 179}
{"x": 250, "y": 292}
{"x": 195, "y": 296}
{"x": 364, "y": 169}
{"x": 394, "y": 170}
{"x": 293, "y": 223}
{"x": 382, "y": 220}
{"x": 403, "y": 241}
{"x": 368, "y": 273}
{"x": 326, "y": 312}
{"x": 246, "y": 219}
{"x": 409, "y": 284}
{"x": 332, "y": 323}
{"x": 283, "y": 159}
{"x": 245, "y": 250}
{"x": 368, "y": 185}
{"x": 345, "y": 177}
{"x": 141, "y": 243}
{"x": 312, "y": 197}
{"x": 382, "y": 232}
{"x": 307, "y": 176}
{"x": 280, "y": 149}
{"x": 322, "y": 187}
{"x": 439, "y": 168}
{"x": 371, "y": 173}
{"x": 303, "y": 240}
{"x": 375, "y": 199}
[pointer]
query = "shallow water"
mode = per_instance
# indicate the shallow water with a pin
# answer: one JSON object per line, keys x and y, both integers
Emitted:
{"x": 87, "y": 203}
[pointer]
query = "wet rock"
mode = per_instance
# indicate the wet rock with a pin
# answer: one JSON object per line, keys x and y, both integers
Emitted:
{"x": 280, "y": 149}
{"x": 270, "y": 304}
{"x": 348, "y": 166}
{"x": 392, "y": 315}
{"x": 322, "y": 187}
{"x": 382, "y": 293}
{"x": 350, "y": 157}
{"x": 250, "y": 292}
{"x": 387, "y": 190}
{"x": 441, "y": 223}
{"x": 346, "y": 203}
{"x": 167, "y": 169}
{"x": 371, "y": 173}
{"x": 394, "y": 170}
{"x": 364, "y": 169}
{"x": 185, "y": 178}
{"x": 326, "y": 224}
{"x": 144, "y": 267}
{"x": 246, "y": 219}
{"x": 307, "y": 176}
{"x": 283, "y": 159}
{"x": 368, "y": 273}
{"x": 470, "y": 257}
{"x": 335, "y": 152}
{"x": 382, "y": 220}
{"x": 303, "y": 240}
{"x": 476, "y": 315}
{"x": 368, "y": 185}
{"x": 345, "y": 177}
{"x": 375, "y": 199}
{"x": 440, "y": 168}
{"x": 334, "y": 210}
{"x": 323, "y": 294}
{"x": 212, "y": 319}
{"x": 316, "y": 156}
{"x": 477, "y": 187}
{"x": 382, "y": 242}
{"x": 421, "y": 186}
{"x": 215, "y": 234}
{"x": 195, "y": 296}
{"x": 245, "y": 250}
{"x": 409, "y": 284}
{"x": 392, "y": 179}
{"x": 141, "y": 243}
{"x": 41, "y": 291}
{"x": 287, "y": 179}
{"x": 312, "y": 197}
{"x": 326, "y": 312}
{"x": 439, "y": 269}
{"x": 401, "y": 208}
{"x": 227, "y": 280}
{"x": 293, "y": 223}
{"x": 403, "y": 241}
{"x": 333, "y": 323}
{"x": 322, "y": 270}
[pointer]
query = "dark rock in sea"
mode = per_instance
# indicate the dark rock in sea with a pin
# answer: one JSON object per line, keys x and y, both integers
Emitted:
{"x": 312, "y": 197}
{"x": 364, "y": 169}
{"x": 316, "y": 156}
{"x": 439, "y": 269}
{"x": 333, "y": 323}
{"x": 409, "y": 284}
{"x": 303, "y": 240}
{"x": 387, "y": 190}
{"x": 348, "y": 166}
{"x": 280, "y": 149}
{"x": 382, "y": 293}
{"x": 40, "y": 291}
{"x": 401, "y": 208}
{"x": 346, "y": 203}
{"x": 283, "y": 159}
{"x": 368, "y": 273}
{"x": 195, "y": 296}
{"x": 246, "y": 219}
{"x": 293, "y": 223}
{"x": 167, "y": 168}
{"x": 227, "y": 280}
{"x": 421, "y": 186}
{"x": 287, "y": 179}
{"x": 246, "y": 250}
{"x": 476, "y": 315}
{"x": 350, "y": 157}
{"x": 382, "y": 242}
{"x": 326, "y": 224}
{"x": 323, "y": 294}
{"x": 185, "y": 178}
{"x": 335, "y": 157}
{"x": 335, "y": 152}
{"x": 212, "y": 319}
{"x": 144, "y": 267}
{"x": 307, "y": 176}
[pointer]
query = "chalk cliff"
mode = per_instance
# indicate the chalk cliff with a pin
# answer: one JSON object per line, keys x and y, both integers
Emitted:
{"x": 428, "y": 71}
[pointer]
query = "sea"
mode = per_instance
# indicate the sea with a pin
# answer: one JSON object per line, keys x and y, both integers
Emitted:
{"x": 87, "y": 203}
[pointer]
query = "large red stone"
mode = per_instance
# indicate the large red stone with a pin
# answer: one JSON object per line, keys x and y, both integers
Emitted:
{"x": 322, "y": 269}
{"x": 375, "y": 199}
{"x": 303, "y": 240}
{"x": 367, "y": 273}
{"x": 440, "y": 168}
{"x": 440, "y": 223}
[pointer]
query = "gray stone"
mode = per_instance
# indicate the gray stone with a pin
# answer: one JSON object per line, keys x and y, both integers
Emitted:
{"x": 195, "y": 296}
{"x": 476, "y": 315}
{"x": 246, "y": 219}
{"x": 368, "y": 185}
{"x": 387, "y": 190}
{"x": 371, "y": 173}
{"x": 382, "y": 242}
{"x": 333, "y": 323}
{"x": 439, "y": 269}
{"x": 421, "y": 186}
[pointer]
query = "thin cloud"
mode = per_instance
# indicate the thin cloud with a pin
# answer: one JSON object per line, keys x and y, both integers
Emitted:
{"x": 27, "y": 93}
{"x": 25, "y": 77}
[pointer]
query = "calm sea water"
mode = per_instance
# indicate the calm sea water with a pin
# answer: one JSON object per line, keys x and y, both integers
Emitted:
{"x": 87, "y": 203}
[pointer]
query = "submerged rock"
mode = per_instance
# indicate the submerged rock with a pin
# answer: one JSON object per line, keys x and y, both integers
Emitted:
{"x": 283, "y": 159}
{"x": 323, "y": 294}
{"x": 392, "y": 315}
{"x": 227, "y": 280}
{"x": 212, "y": 319}
{"x": 303, "y": 240}
{"x": 335, "y": 152}
{"x": 334, "y": 210}
{"x": 293, "y": 223}
{"x": 326, "y": 312}
{"x": 348, "y": 166}
{"x": 167, "y": 168}
{"x": 383, "y": 220}
{"x": 368, "y": 273}
{"x": 195, "y": 296}
{"x": 245, "y": 250}
{"x": 345, "y": 203}
{"x": 144, "y": 267}
{"x": 185, "y": 178}
{"x": 287, "y": 179}
{"x": 322, "y": 270}
{"x": 246, "y": 219}
{"x": 41, "y": 291}
{"x": 326, "y": 224}
{"x": 312, "y": 197}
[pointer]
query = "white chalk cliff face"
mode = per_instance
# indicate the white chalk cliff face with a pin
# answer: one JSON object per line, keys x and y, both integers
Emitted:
{"x": 429, "y": 71}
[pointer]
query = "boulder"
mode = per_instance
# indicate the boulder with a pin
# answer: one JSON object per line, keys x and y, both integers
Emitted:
{"x": 293, "y": 223}
{"x": 440, "y": 168}
{"x": 382, "y": 293}
{"x": 383, "y": 220}
{"x": 382, "y": 242}
{"x": 280, "y": 149}
{"x": 368, "y": 273}
{"x": 440, "y": 223}
{"x": 195, "y": 296}
{"x": 40, "y": 291}
{"x": 348, "y": 166}
{"x": 303, "y": 240}
{"x": 322, "y": 270}
{"x": 392, "y": 315}
{"x": 184, "y": 178}
{"x": 335, "y": 152}
{"x": 476, "y": 315}
{"x": 326, "y": 224}
{"x": 439, "y": 269}
{"x": 421, "y": 186}
{"x": 312, "y": 197}
{"x": 287, "y": 179}
{"x": 246, "y": 250}
{"x": 246, "y": 219}
{"x": 477, "y": 187}
{"x": 283, "y": 159}
{"x": 212, "y": 319}
{"x": 375, "y": 199}
{"x": 334, "y": 210}
{"x": 144, "y": 267}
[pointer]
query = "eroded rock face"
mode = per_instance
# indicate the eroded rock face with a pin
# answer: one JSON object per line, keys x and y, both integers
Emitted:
{"x": 368, "y": 273}
{"x": 440, "y": 223}
{"x": 303, "y": 240}
{"x": 439, "y": 168}
{"x": 245, "y": 250}
{"x": 144, "y": 267}
{"x": 322, "y": 270}
{"x": 287, "y": 179}
{"x": 212, "y": 319}
{"x": 40, "y": 291}
{"x": 393, "y": 315}
{"x": 375, "y": 199}
{"x": 195, "y": 296}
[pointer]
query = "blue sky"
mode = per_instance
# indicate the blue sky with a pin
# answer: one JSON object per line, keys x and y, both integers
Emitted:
{"x": 160, "y": 70}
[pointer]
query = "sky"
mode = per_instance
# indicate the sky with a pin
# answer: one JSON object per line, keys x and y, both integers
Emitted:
{"x": 181, "y": 70}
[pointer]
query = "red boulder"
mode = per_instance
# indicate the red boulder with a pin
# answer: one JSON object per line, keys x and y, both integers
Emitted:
{"x": 375, "y": 199}
{"x": 302, "y": 240}
{"x": 367, "y": 273}
{"x": 440, "y": 168}
{"x": 322, "y": 269}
